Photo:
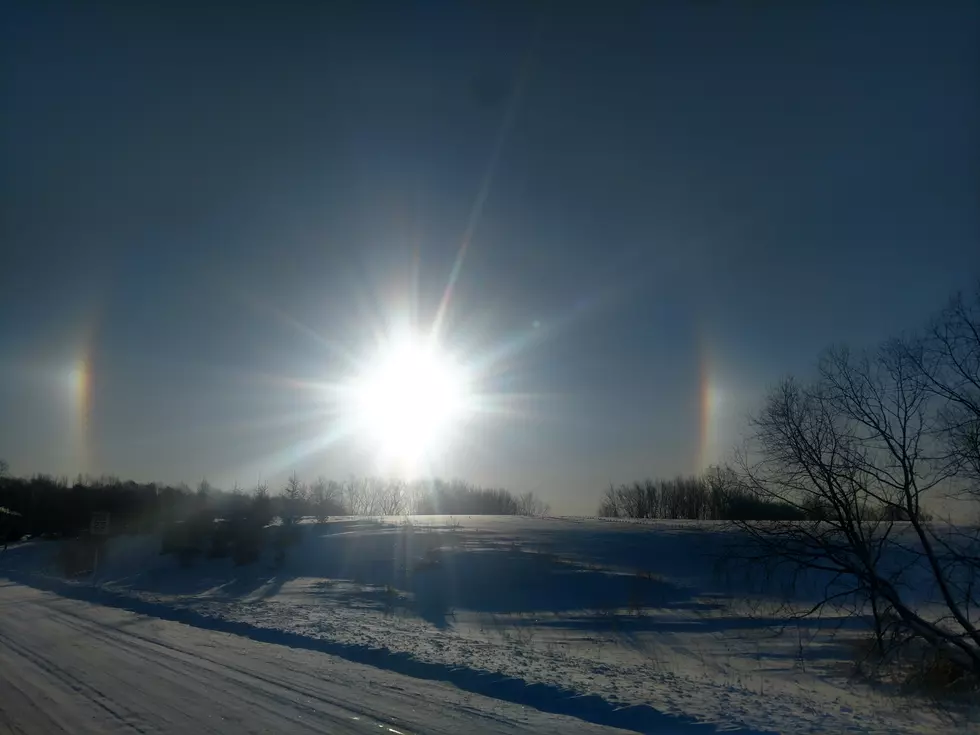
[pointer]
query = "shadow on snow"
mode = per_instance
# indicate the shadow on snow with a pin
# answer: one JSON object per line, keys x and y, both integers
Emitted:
{"x": 545, "y": 698}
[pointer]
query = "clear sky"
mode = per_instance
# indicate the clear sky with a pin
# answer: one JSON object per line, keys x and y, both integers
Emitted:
{"x": 208, "y": 210}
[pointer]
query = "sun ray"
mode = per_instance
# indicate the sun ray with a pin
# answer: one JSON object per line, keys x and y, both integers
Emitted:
{"x": 507, "y": 123}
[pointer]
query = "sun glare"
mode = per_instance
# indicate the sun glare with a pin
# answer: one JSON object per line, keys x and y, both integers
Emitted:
{"x": 409, "y": 400}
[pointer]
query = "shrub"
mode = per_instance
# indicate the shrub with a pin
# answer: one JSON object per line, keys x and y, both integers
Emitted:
{"x": 77, "y": 556}
{"x": 247, "y": 544}
{"x": 222, "y": 536}
{"x": 286, "y": 535}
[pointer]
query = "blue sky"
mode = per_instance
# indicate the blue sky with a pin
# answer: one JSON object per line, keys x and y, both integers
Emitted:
{"x": 204, "y": 208}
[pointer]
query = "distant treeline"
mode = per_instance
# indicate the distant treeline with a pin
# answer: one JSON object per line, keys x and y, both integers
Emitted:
{"x": 715, "y": 495}
{"x": 45, "y": 505}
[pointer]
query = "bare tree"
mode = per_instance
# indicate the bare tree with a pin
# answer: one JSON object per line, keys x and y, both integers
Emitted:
{"x": 356, "y": 499}
{"x": 389, "y": 497}
{"x": 205, "y": 491}
{"x": 295, "y": 496}
{"x": 324, "y": 498}
{"x": 948, "y": 360}
{"x": 529, "y": 504}
{"x": 862, "y": 444}
{"x": 261, "y": 506}
{"x": 718, "y": 494}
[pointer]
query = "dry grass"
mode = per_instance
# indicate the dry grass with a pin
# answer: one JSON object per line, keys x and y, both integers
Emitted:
{"x": 938, "y": 677}
{"x": 917, "y": 672}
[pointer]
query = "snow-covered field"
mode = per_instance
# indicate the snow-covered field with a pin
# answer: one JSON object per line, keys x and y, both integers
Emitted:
{"x": 619, "y": 624}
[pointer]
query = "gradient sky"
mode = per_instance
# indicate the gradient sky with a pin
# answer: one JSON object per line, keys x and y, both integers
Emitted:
{"x": 671, "y": 205}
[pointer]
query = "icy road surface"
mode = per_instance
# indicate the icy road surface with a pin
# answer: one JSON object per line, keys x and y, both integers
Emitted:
{"x": 71, "y": 666}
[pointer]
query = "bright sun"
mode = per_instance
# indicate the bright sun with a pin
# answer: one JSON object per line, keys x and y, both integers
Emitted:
{"x": 410, "y": 400}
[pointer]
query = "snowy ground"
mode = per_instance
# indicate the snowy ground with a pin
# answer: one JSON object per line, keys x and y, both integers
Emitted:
{"x": 74, "y": 667}
{"x": 623, "y": 625}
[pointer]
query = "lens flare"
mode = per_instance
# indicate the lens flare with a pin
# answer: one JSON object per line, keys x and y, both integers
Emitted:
{"x": 409, "y": 400}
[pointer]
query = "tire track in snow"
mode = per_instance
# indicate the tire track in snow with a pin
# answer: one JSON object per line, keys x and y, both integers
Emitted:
{"x": 221, "y": 669}
{"x": 82, "y": 667}
{"x": 73, "y": 682}
{"x": 206, "y": 677}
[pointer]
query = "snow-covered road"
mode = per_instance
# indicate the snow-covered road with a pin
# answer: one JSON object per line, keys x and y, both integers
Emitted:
{"x": 72, "y": 666}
